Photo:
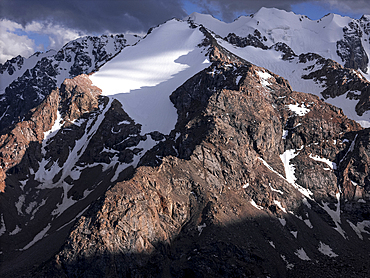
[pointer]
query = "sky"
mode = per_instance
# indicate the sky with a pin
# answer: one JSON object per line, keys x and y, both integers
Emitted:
{"x": 27, "y": 26}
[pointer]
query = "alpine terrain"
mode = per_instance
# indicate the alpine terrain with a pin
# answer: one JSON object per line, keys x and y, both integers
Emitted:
{"x": 203, "y": 149}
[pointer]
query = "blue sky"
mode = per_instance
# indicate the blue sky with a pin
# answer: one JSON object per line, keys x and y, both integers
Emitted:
{"x": 315, "y": 11}
{"x": 38, "y": 25}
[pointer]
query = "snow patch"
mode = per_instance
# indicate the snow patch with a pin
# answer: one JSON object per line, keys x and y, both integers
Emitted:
{"x": 54, "y": 129}
{"x": 308, "y": 223}
{"x": 331, "y": 164}
{"x": 360, "y": 227}
{"x": 282, "y": 221}
{"x": 237, "y": 80}
{"x": 350, "y": 149}
{"x": 38, "y": 237}
{"x": 124, "y": 123}
{"x": 246, "y": 185}
{"x": 302, "y": 254}
{"x": 66, "y": 202}
{"x": 299, "y": 110}
{"x": 279, "y": 205}
{"x": 288, "y": 265}
{"x": 253, "y": 203}
{"x": 285, "y": 133}
{"x": 354, "y": 183}
{"x": 2, "y": 227}
{"x": 264, "y": 76}
{"x": 201, "y": 227}
{"x": 43, "y": 202}
{"x": 289, "y": 168}
{"x": 326, "y": 250}
{"x": 306, "y": 203}
{"x": 335, "y": 215}
{"x": 19, "y": 204}
{"x": 6, "y": 110}
{"x": 294, "y": 233}
{"x": 272, "y": 244}
{"x": 276, "y": 190}
{"x": 23, "y": 184}
{"x": 15, "y": 231}
{"x": 77, "y": 216}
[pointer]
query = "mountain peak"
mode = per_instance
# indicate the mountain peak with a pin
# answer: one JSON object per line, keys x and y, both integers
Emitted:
{"x": 266, "y": 12}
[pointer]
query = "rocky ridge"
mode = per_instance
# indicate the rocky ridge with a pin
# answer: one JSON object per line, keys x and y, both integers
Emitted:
{"x": 330, "y": 78}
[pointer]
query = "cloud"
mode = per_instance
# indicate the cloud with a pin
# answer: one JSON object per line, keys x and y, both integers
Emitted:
{"x": 12, "y": 44}
{"x": 94, "y": 15}
{"x": 349, "y": 6}
{"x": 120, "y": 16}
{"x": 15, "y": 39}
{"x": 57, "y": 34}
{"x": 229, "y": 10}
{"x": 60, "y": 21}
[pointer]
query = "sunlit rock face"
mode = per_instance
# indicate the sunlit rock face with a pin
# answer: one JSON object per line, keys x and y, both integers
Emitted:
{"x": 179, "y": 157}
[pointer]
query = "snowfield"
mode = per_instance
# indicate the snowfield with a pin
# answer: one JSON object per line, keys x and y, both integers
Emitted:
{"x": 143, "y": 77}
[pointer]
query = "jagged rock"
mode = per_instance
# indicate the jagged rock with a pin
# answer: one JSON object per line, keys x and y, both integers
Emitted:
{"x": 255, "y": 40}
{"x": 12, "y": 65}
{"x": 350, "y": 48}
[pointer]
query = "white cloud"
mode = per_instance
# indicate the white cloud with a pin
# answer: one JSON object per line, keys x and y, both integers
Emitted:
{"x": 351, "y": 7}
{"x": 12, "y": 44}
{"x": 35, "y": 36}
{"x": 58, "y": 35}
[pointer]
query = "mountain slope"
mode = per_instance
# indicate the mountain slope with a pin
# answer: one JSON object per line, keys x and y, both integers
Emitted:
{"x": 284, "y": 44}
{"x": 225, "y": 203}
{"x": 178, "y": 157}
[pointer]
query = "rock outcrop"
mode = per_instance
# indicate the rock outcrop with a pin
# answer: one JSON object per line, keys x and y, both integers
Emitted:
{"x": 350, "y": 48}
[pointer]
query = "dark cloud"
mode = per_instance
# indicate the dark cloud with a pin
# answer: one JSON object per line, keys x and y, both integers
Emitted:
{"x": 97, "y": 16}
{"x": 94, "y": 15}
{"x": 229, "y": 10}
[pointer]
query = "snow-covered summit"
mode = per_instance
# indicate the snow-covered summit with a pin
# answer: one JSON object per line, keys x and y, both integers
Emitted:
{"x": 279, "y": 41}
{"x": 299, "y": 32}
